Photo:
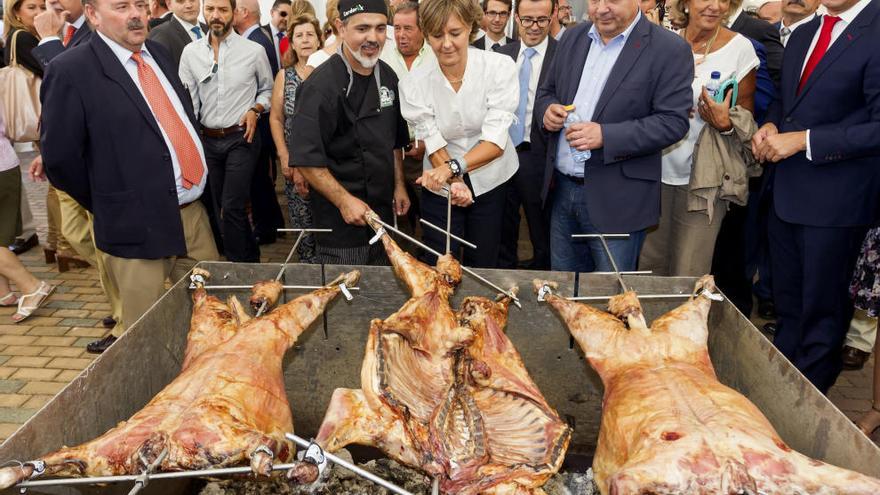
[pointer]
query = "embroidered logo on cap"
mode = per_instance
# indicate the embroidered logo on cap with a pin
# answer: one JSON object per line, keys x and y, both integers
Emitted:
{"x": 353, "y": 10}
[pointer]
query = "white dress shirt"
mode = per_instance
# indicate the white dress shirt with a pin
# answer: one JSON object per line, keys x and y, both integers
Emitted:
{"x": 489, "y": 43}
{"x": 184, "y": 195}
{"x": 537, "y": 63}
{"x": 391, "y": 56}
{"x": 77, "y": 24}
{"x": 481, "y": 110}
{"x": 845, "y": 19}
{"x": 189, "y": 28}
{"x": 785, "y": 31}
{"x": 223, "y": 92}
{"x": 560, "y": 33}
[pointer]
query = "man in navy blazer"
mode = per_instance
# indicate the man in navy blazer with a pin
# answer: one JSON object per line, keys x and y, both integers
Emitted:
{"x": 53, "y": 27}
{"x": 104, "y": 145}
{"x": 631, "y": 111}
{"x": 822, "y": 146}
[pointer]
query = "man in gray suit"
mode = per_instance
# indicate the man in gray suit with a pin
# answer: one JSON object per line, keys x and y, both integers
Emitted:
{"x": 181, "y": 29}
{"x": 630, "y": 82}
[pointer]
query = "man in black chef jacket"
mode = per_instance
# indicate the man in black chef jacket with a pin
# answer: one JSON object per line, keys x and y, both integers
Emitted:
{"x": 348, "y": 135}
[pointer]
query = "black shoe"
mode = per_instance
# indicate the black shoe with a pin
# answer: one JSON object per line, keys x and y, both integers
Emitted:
{"x": 24, "y": 245}
{"x": 770, "y": 328}
{"x": 264, "y": 239}
{"x": 99, "y": 346}
{"x": 108, "y": 322}
{"x": 766, "y": 309}
{"x": 854, "y": 359}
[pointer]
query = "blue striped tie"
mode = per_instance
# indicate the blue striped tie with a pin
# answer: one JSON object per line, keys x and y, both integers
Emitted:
{"x": 518, "y": 128}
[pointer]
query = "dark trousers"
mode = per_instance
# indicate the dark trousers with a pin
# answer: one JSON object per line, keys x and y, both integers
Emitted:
{"x": 524, "y": 190}
{"x": 231, "y": 161}
{"x": 265, "y": 210}
{"x": 479, "y": 223}
{"x": 812, "y": 268}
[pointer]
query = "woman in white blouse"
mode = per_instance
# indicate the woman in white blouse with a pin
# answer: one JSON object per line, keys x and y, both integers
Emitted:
{"x": 462, "y": 108}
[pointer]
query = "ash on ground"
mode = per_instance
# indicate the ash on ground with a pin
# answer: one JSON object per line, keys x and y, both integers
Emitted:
{"x": 337, "y": 480}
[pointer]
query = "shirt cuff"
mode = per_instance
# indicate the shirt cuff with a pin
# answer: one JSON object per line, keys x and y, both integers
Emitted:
{"x": 48, "y": 39}
{"x": 809, "y": 151}
{"x": 433, "y": 143}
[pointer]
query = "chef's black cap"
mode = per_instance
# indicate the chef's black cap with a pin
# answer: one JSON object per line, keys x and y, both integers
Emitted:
{"x": 348, "y": 8}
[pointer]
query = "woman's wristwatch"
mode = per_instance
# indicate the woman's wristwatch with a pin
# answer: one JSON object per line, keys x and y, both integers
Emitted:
{"x": 458, "y": 166}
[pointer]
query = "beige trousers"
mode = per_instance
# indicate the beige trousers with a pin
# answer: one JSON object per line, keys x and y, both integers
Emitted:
{"x": 142, "y": 282}
{"x": 684, "y": 241}
{"x": 862, "y": 331}
{"x": 55, "y": 240}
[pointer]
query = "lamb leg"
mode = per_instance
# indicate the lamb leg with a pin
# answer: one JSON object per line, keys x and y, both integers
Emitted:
{"x": 296, "y": 316}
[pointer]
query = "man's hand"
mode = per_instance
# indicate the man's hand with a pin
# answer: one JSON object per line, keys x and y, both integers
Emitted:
{"x": 461, "y": 194}
{"x": 249, "y": 121}
{"x": 584, "y": 136}
{"x": 435, "y": 178}
{"x": 50, "y": 22}
{"x": 353, "y": 210}
{"x": 418, "y": 150}
{"x": 401, "y": 200}
{"x": 300, "y": 184}
{"x": 36, "y": 171}
{"x": 554, "y": 117}
{"x": 766, "y": 130}
{"x": 778, "y": 147}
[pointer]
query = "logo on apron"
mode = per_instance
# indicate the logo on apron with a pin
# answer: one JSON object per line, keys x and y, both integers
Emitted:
{"x": 386, "y": 97}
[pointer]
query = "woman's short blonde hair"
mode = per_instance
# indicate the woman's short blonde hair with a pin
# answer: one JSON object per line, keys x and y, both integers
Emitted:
{"x": 433, "y": 15}
{"x": 332, "y": 13}
{"x": 300, "y": 7}
{"x": 11, "y": 21}
{"x": 290, "y": 58}
{"x": 679, "y": 11}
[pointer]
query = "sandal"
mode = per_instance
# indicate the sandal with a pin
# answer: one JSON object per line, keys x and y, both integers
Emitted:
{"x": 867, "y": 425}
{"x": 9, "y": 300}
{"x": 28, "y": 303}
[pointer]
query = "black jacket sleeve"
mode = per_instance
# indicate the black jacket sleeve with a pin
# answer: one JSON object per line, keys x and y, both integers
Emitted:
{"x": 24, "y": 47}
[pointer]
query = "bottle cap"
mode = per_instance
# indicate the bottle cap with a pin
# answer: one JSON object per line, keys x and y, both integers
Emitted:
{"x": 716, "y": 75}
{"x": 569, "y": 108}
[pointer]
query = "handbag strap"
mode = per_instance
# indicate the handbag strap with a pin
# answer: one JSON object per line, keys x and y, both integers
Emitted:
{"x": 13, "y": 61}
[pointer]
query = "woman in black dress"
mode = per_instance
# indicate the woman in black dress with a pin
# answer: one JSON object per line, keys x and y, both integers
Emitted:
{"x": 18, "y": 17}
{"x": 865, "y": 290}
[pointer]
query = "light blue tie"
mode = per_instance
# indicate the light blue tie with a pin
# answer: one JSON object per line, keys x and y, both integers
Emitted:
{"x": 518, "y": 128}
{"x": 198, "y": 32}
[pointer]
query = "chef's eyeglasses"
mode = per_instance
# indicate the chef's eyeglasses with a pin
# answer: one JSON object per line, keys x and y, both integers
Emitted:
{"x": 528, "y": 22}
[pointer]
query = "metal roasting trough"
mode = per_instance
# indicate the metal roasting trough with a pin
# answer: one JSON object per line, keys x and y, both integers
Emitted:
{"x": 329, "y": 355}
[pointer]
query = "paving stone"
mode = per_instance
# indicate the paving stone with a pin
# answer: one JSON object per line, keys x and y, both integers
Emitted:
{"x": 15, "y": 415}
{"x": 87, "y": 332}
{"x": 63, "y": 297}
{"x": 91, "y": 297}
{"x": 83, "y": 341}
{"x": 10, "y": 386}
{"x": 62, "y": 351}
{"x": 27, "y": 362}
{"x": 41, "y": 388}
{"x": 6, "y": 372}
{"x": 4, "y": 357}
{"x": 32, "y": 374}
{"x": 72, "y": 313}
{"x": 87, "y": 290}
{"x": 37, "y": 401}
{"x": 7, "y": 429}
{"x": 14, "y": 329}
{"x": 42, "y": 312}
{"x": 13, "y": 400}
{"x": 55, "y": 341}
{"x": 55, "y": 331}
{"x": 73, "y": 275}
{"x": 64, "y": 304}
{"x": 80, "y": 283}
{"x": 43, "y": 321}
{"x": 21, "y": 350}
{"x": 97, "y": 306}
{"x": 69, "y": 363}
{"x": 16, "y": 339}
{"x": 67, "y": 376}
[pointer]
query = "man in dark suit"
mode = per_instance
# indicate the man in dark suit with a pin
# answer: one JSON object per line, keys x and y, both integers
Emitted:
{"x": 247, "y": 24}
{"x": 159, "y": 13}
{"x": 822, "y": 137}
{"x": 276, "y": 30}
{"x": 60, "y": 29}
{"x": 537, "y": 48}
{"x": 764, "y": 33}
{"x": 795, "y": 13}
{"x": 495, "y": 15}
{"x": 143, "y": 188}
{"x": 634, "y": 105}
{"x": 182, "y": 29}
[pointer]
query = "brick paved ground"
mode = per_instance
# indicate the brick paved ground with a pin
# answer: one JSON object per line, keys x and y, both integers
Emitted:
{"x": 40, "y": 356}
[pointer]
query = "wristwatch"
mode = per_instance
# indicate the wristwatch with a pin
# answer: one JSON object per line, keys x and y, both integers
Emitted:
{"x": 458, "y": 166}
{"x": 256, "y": 111}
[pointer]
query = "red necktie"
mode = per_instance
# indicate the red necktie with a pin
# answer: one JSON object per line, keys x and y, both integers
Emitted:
{"x": 68, "y": 35}
{"x": 187, "y": 153}
{"x": 819, "y": 50}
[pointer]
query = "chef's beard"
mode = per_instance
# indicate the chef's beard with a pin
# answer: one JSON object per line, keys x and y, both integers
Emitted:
{"x": 366, "y": 62}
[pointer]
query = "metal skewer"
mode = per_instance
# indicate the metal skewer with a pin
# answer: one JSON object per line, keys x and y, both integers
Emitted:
{"x": 347, "y": 465}
{"x": 144, "y": 478}
{"x": 302, "y": 232}
{"x": 608, "y": 253}
{"x": 449, "y": 235}
{"x": 449, "y": 221}
{"x": 474, "y": 274}
{"x": 293, "y": 287}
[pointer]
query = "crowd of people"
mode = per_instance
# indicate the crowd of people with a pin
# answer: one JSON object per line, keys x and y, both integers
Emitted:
{"x": 715, "y": 140}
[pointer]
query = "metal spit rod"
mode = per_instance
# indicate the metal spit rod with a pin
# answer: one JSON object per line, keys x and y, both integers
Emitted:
{"x": 293, "y": 287}
{"x": 351, "y": 467}
{"x": 476, "y": 275}
{"x": 144, "y": 478}
{"x": 710, "y": 295}
{"x": 302, "y": 232}
{"x": 608, "y": 253}
{"x": 448, "y": 235}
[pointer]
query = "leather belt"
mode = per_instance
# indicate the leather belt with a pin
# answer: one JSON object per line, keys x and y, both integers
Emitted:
{"x": 524, "y": 146}
{"x": 576, "y": 180}
{"x": 186, "y": 204}
{"x": 219, "y": 133}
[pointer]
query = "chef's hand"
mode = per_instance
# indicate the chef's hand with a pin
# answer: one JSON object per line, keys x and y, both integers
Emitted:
{"x": 780, "y": 146}
{"x": 766, "y": 130}
{"x": 353, "y": 211}
{"x": 554, "y": 117}
{"x": 461, "y": 194}
{"x": 435, "y": 178}
{"x": 584, "y": 136}
{"x": 36, "y": 171}
{"x": 401, "y": 200}
{"x": 249, "y": 121}
{"x": 715, "y": 114}
{"x": 49, "y": 22}
{"x": 300, "y": 184}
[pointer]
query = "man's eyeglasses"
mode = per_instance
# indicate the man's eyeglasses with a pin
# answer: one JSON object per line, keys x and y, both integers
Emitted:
{"x": 528, "y": 22}
{"x": 565, "y": 8}
{"x": 494, "y": 14}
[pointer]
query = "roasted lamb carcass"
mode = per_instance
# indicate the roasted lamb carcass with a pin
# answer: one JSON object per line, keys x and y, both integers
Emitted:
{"x": 447, "y": 393}
{"x": 227, "y": 407}
{"x": 668, "y": 425}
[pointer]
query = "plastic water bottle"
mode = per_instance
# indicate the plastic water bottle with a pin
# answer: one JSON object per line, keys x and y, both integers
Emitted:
{"x": 714, "y": 85}
{"x": 572, "y": 117}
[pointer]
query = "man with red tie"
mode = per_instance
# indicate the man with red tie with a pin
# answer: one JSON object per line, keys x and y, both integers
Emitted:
{"x": 60, "y": 28}
{"x": 821, "y": 145}
{"x": 119, "y": 135}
